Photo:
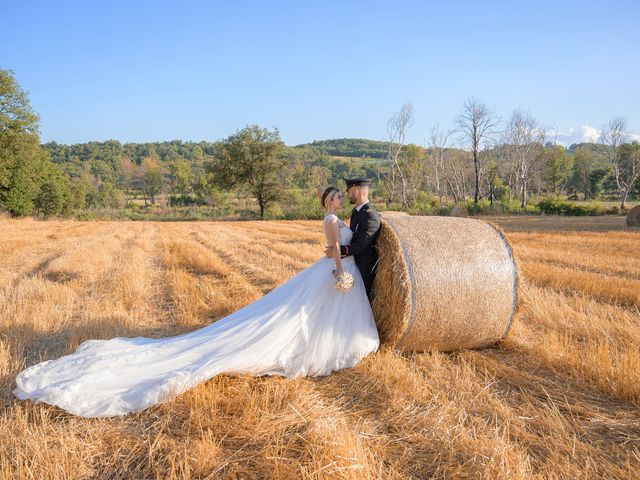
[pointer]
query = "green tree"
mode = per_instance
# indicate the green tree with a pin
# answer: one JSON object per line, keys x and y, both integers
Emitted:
{"x": 20, "y": 186}
{"x": 126, "y": 173}
{"x": 596, "y": 180}
{"x": 206, "y": 190}
{"x": 110, "y": 196}
{"x": 252, "y": 159}
{"x": 54, "y": 195}
{"x": 182, "y": 177}
{"x": 557, "y": 168}
{"x": 413, "y": 163}
{"x": 90, "y": 186}
{"x": 152, "y": 180}
{"x": 20, "y": 154}
{"x": 584, "y": 162}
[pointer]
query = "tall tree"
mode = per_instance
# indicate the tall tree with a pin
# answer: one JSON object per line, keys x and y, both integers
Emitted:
{"x": 477, "y": 123}
{"x": 436, "y": 155}
{"x": 252, "y": 159}
{"x": 557, "y": 168}
{"x": 182, "y": 177}
{"x": 54, "y": 195}
{"x": 613, "y": 135}
{"x": 584, "y": 164}
{"x": 152, "y": 180}
{"x": 413, "y": 164}
{"x": 20, "y": 154}
{"x": 126, "y": 174}
{"x": 524, "y": 139}
{"x": 394, "y": 180}
{"x": 628, "y": 169}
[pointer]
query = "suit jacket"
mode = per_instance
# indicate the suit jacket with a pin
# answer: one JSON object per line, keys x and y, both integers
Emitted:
{"x": 365, "y": 225}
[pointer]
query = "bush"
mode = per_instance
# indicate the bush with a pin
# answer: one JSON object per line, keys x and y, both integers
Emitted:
{"x": 273, "y": 211}
{"x": 555, "y": 205}
{"x": 180, "y": 200}
{"x": 482, "y": 207}
{"x": 426, "y": 202}
{"x": 302, "y": 204}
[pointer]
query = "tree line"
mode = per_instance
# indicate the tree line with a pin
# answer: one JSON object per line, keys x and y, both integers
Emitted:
{"x": 483, "y": 157}
{"x": 480, "y": 158}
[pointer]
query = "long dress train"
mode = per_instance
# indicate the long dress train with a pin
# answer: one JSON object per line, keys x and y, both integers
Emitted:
{"x": 303, "y": 327}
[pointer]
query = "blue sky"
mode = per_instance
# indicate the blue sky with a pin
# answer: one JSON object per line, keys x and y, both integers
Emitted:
{"x": 155, "y": 71}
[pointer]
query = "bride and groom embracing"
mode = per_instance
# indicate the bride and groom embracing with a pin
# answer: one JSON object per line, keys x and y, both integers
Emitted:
{"x": 303, "y": 327}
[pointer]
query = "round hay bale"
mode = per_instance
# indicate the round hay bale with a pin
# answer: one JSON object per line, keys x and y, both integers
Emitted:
{"x": 458, "y": 211}
{"x": 443, "y": 283}
{"x": 633, "y": 217}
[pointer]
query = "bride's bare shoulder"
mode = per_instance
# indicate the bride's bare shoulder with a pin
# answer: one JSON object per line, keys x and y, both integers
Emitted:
{"x": 331, "y": 218}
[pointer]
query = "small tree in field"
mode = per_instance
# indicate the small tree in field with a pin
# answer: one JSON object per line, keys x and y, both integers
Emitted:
{"x": 152, "y": 180}
{"x": 251, "y": 159}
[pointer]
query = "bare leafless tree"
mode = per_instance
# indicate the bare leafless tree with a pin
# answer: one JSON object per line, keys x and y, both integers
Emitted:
{"x": 394, "y": 180}
{"x": 629, "y": 168}
{"x": 436, "y": 158}
{"x": 612, "y": 136}
{"x": 456, "y": 174}
{"x": 523, "y": 139}
{"x": 477, "y": 123}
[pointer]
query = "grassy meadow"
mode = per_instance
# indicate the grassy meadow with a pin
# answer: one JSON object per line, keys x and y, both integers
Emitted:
{"x": 558, "y": 398}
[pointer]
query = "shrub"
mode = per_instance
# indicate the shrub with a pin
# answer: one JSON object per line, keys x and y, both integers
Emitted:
{"x": 180, "y": 200}
{"x": 555, "y": 205}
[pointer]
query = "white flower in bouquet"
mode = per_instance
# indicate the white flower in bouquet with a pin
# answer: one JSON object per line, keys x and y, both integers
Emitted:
{"x": 344, "y": 281}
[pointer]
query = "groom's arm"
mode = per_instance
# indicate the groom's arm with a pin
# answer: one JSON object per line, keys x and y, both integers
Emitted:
{"x": 369, "y": 227}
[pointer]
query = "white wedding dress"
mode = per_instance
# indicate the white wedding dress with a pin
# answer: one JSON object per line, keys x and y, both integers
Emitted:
{"x": 303, "y": 327}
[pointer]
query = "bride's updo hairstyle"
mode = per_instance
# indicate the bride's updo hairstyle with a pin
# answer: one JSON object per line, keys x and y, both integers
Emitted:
{"x": 327, "y": 196}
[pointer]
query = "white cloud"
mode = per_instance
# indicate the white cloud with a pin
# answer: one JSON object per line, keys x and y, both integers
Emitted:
{"x": 586, "y": 133}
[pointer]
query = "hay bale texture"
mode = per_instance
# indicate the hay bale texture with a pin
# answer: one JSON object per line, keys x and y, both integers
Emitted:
{"x": 633, "y": 217}
{"x": 443, "y": 283}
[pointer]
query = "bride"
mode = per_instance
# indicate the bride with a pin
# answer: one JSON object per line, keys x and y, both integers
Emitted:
{"x": 303, "y": 327}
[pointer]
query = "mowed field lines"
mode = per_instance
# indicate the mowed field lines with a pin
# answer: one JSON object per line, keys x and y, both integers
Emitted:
{"x": 558, "y": 398}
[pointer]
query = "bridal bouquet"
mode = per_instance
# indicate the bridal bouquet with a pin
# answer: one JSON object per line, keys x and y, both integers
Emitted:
{"x": 344, "y": 281}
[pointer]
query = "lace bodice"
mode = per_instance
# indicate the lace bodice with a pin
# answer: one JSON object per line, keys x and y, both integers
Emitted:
{"x": 345, "y": 231}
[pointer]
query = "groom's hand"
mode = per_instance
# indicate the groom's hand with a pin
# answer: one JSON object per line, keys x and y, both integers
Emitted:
{"x": 329, "y": 252}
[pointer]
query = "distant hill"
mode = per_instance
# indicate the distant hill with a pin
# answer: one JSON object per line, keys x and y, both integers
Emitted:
{"x": 592, "y": 147}
{"x": 350, "y": 147}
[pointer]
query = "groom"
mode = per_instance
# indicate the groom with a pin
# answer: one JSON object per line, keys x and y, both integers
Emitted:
{"x": 365, "y": 225}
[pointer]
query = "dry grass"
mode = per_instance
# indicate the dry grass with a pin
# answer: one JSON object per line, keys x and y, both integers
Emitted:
{"x": 559, "y": 398}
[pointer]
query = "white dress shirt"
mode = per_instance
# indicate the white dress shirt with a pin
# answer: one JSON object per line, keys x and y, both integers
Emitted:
{"x": 358, "y": 208}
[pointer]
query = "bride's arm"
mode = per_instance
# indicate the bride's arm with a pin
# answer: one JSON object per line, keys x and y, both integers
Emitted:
{"x": 333, "y": 232}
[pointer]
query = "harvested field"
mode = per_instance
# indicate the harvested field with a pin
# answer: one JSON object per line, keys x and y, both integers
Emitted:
{"x": 559, "y": 398}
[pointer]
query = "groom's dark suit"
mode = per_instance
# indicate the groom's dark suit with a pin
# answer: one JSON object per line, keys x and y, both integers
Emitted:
{"x": 365, "y": 225}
